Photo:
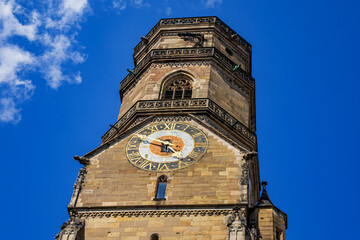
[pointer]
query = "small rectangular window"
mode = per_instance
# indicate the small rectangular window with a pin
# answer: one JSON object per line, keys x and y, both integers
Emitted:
{"x": 161, "y": 190}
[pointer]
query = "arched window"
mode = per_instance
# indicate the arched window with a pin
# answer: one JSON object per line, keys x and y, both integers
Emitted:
{"x": 178, "y": 88}
{"x": 161, "y": 187}
{"x": 154, "y": 236}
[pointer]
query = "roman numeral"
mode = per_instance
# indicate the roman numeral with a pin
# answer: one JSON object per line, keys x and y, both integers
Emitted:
{"x": 132, "y": 147}
{"x": 194, "y": 154}
{"x": 134, "y": 156}
{"x": 169, "y": 126}
{"x": 163, "y": 167}
{"x": 145, "y": 164}
{"x": 197, "y": 134}
{"x": 153, "y": 128}
{"x": 183, "y": 164}
{"x": 200, "y": 144}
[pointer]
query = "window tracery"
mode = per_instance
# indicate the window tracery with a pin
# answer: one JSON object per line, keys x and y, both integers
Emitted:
{"x": 179, "y": 88}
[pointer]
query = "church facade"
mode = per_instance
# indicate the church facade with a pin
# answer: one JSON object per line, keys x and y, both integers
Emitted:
{"x": 181, "y": 160}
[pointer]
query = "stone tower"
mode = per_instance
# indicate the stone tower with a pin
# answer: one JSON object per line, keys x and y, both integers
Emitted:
{"x": 181, "y": 160}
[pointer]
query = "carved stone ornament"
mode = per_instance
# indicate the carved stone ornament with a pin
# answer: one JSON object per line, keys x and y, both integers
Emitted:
{"x": 192, "y": 21}
{"x": 77, "y": 186}
{"x": 244, "y": 180}
{"x": 180, "y": 105}
{"x": 72, "y": 229}
{"x": 176, "y": 54}
{"x": 196, "y": 38}
{"x": 236, "y": 226}
{"x": 151, "y": 213}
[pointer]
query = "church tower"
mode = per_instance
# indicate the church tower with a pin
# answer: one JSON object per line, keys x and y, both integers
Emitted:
{"x": 181, "y": 160}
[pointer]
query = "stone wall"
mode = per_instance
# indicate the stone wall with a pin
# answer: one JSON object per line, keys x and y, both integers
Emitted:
{"x": 215, "y": 179}
{"x": 168, "y": 228}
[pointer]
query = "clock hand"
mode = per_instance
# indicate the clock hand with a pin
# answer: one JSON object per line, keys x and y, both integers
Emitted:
{"x": 154, "y": 139}
{"x": 176, "y": 153}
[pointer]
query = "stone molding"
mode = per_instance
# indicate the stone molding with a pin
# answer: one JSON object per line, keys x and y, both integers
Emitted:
{"x": 151, "y": 213}
{"x": 195, "y": 21}
{"x": 206, "y": 104}
{"x": 172, "y": 54}
{"x": 160, "y": 65}
{"x": 77, "y": 186}
{"x": 244, "y": 180}
{"x": 237, "y": 85}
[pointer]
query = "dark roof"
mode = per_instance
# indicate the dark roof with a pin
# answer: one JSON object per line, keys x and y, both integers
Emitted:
{"x": 264, "y": 200}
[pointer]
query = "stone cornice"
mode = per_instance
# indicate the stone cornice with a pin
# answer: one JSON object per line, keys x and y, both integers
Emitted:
{"x": 178, "y": 54}
{"x": 168, "y": 211}
{"x": 184, "y": 105}
{"x": 215, "y": 21}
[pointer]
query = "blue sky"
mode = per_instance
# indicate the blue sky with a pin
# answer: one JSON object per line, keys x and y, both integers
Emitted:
{"x": 61, "y": 63}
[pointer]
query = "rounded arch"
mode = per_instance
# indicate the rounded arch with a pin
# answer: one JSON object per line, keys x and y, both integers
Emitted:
{"x": 177, "y": 85}
{"x": 155, "y": 236}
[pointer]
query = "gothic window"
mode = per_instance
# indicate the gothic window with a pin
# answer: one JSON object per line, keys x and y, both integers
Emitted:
{"x": 154, "y": 236}
{"x": 161, "y": 187}
{"x": 178, "y": 88}
{"x": 278, "y": 234}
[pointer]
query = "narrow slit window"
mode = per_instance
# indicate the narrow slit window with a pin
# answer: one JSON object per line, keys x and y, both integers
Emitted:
{"x": 161, "y": 187}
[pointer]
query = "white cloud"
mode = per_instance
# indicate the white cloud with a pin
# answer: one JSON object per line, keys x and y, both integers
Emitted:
{"x": 12, "y": 26}
{"x": 211, "y": 3}
{"x": 168, "y": 11}
{"x": 59, "y": 51}
{"x": 139, "y": 3}
{"x": 8, "y": 111}
{"x": 119, "y": 4}
{"x": 51, "y": 32}
{"x": 54, "y": 31}
{"x": 12, "y": 61}
{"x": 74, "y": 5}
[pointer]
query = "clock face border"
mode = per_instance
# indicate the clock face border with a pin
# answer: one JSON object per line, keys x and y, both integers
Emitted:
{"x": 134, "y": 156}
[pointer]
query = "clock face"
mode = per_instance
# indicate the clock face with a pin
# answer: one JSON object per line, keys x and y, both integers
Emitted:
{"x": 165, "y": 147}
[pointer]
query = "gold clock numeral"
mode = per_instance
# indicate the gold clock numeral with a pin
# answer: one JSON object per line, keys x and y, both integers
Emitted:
{"x": 194, "y": 154}
{"x": 153, "y": 128}
{"x": 200, "y": 144}
{"x": 183, "y": 164}
{"x": 169, "y": 126}
{"x": 187, "y": 126}
{"x": 135, "y": 160}
{"x": 163, "y": 167}
{"x": 134, "y": 155}
{"x": 132, "y": 147}
{"x": 197, "y": 134}
{"x": 145, "y": 164}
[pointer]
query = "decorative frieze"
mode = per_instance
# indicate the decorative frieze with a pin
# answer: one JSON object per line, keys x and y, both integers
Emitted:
{"x": 180, "y": 105}
{"x": 192, "y": 21}
{"x": 172, "y": 119}
{"x": 151, "y": 213}
{"x": 165, "y": 55}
